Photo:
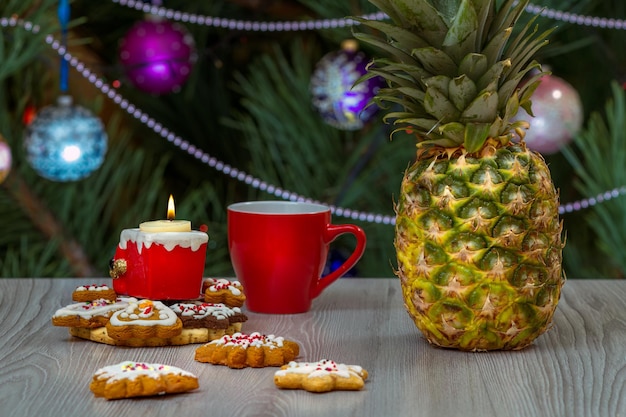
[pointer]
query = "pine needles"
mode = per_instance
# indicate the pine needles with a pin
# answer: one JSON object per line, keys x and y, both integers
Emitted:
{"x": 599, "y": 165}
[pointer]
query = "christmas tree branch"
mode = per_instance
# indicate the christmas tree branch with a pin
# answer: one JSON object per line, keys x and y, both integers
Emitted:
{"x": 47, "y": 223}
{"x": 598, "y": 158}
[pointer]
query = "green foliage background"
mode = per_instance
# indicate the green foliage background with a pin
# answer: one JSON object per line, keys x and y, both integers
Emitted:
{"x": 247, "y": 103}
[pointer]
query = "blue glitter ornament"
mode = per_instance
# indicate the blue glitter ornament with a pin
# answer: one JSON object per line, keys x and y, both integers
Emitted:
{"x": 336, "y": 258}
{"x": 65, "y": 142}
{"x": 334, "y": 95}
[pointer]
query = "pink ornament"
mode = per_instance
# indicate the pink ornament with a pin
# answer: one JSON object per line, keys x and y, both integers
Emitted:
{"x": 157, "y": 56}
{"x": 558, "y": 115}
{"x": 5, "y": 160}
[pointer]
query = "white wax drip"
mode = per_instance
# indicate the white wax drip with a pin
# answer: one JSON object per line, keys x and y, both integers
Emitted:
{"x": 169, "y": 240}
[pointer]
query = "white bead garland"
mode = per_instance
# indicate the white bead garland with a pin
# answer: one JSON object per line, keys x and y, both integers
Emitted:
{"x": 346, "y": 22}
{"x": 250, "y": 26}
{"x": 227, "y": 169}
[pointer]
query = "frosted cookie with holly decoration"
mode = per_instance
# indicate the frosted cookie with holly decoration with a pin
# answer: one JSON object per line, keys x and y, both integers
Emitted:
{"x": 144, "y": 319}
{"x": 201, "y": 323}
{"x": 323, "y": 376}
{"x": 93, "y": 292}
{"x": 254, "y": 350}
{"x": 136, "y": 379}
{"x": 220, "y": 290}
{"x": 89, "y": 314}
{"x": 204, "y": 322}
{"x": 208, "y": 315}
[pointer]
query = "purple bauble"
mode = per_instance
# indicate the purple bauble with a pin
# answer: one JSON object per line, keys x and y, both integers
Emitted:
{"x": 341, "y": 103}
{"x": 558, "y": 114}
{"x": 157, "y": 56}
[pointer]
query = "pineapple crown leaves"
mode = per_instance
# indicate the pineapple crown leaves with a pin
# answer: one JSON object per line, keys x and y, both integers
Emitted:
{"x": 453, "y": 73}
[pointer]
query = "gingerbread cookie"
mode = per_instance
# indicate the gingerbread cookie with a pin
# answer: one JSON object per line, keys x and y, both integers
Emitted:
{"x": 254, "y": 350}
{"x": 132, "y": 379}
{"x": 93, "y": 292}
{"x": 144, "y": 319}
{"x": 223, "y": 291}
{"x": 322, "y": 376}
{"x": 89, "y": 314}
{"x": 197, "y": 315}
{"x": 186, "y": 337}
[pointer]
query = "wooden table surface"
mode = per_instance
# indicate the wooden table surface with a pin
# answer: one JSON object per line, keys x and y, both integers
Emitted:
{"x": 578, "y": 368}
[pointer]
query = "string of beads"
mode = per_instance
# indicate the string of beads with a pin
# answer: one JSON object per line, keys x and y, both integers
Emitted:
{"x": 226, "y": 169}
{"x": 297, "y": 26}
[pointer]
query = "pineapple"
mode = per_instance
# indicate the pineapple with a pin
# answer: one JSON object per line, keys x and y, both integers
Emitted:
{"x": 478, "y": 235}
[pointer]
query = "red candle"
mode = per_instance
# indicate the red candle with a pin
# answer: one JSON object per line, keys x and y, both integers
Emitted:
{"x": 160, "y": 260}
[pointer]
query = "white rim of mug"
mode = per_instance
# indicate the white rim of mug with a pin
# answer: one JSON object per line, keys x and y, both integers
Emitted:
{"x": 280, "y": 207}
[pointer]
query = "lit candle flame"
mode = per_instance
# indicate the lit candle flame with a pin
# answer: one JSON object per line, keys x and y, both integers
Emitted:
{"x": 171, "y": 211}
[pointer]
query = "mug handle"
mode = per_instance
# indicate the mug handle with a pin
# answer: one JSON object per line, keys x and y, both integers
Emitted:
{"x": 333, "y": 231}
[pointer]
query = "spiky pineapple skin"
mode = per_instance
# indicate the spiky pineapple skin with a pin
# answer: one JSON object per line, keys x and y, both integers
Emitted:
{"x": 478, "y": 244}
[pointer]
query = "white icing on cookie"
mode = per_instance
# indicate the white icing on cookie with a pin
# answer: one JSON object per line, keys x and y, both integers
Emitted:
{"x": 92, "y": 288}
{"x": 89, "y": 309}
{"x": 201, "y": 310}
{"x": 142, "y": 312}
{"x": 321, "y": 368}
{"x": 218, "y": 284}
{"x": 131, "y": 370}
{"x": 253, "y": 339}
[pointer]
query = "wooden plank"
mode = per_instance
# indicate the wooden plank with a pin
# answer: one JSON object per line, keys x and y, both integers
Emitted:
{"x": 578, "y": 368}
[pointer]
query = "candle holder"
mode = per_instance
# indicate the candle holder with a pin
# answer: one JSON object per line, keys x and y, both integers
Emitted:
{"x": 159, "y": 266}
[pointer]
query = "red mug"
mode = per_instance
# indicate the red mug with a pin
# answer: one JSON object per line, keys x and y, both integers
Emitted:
{"x": 279, "y": 249}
